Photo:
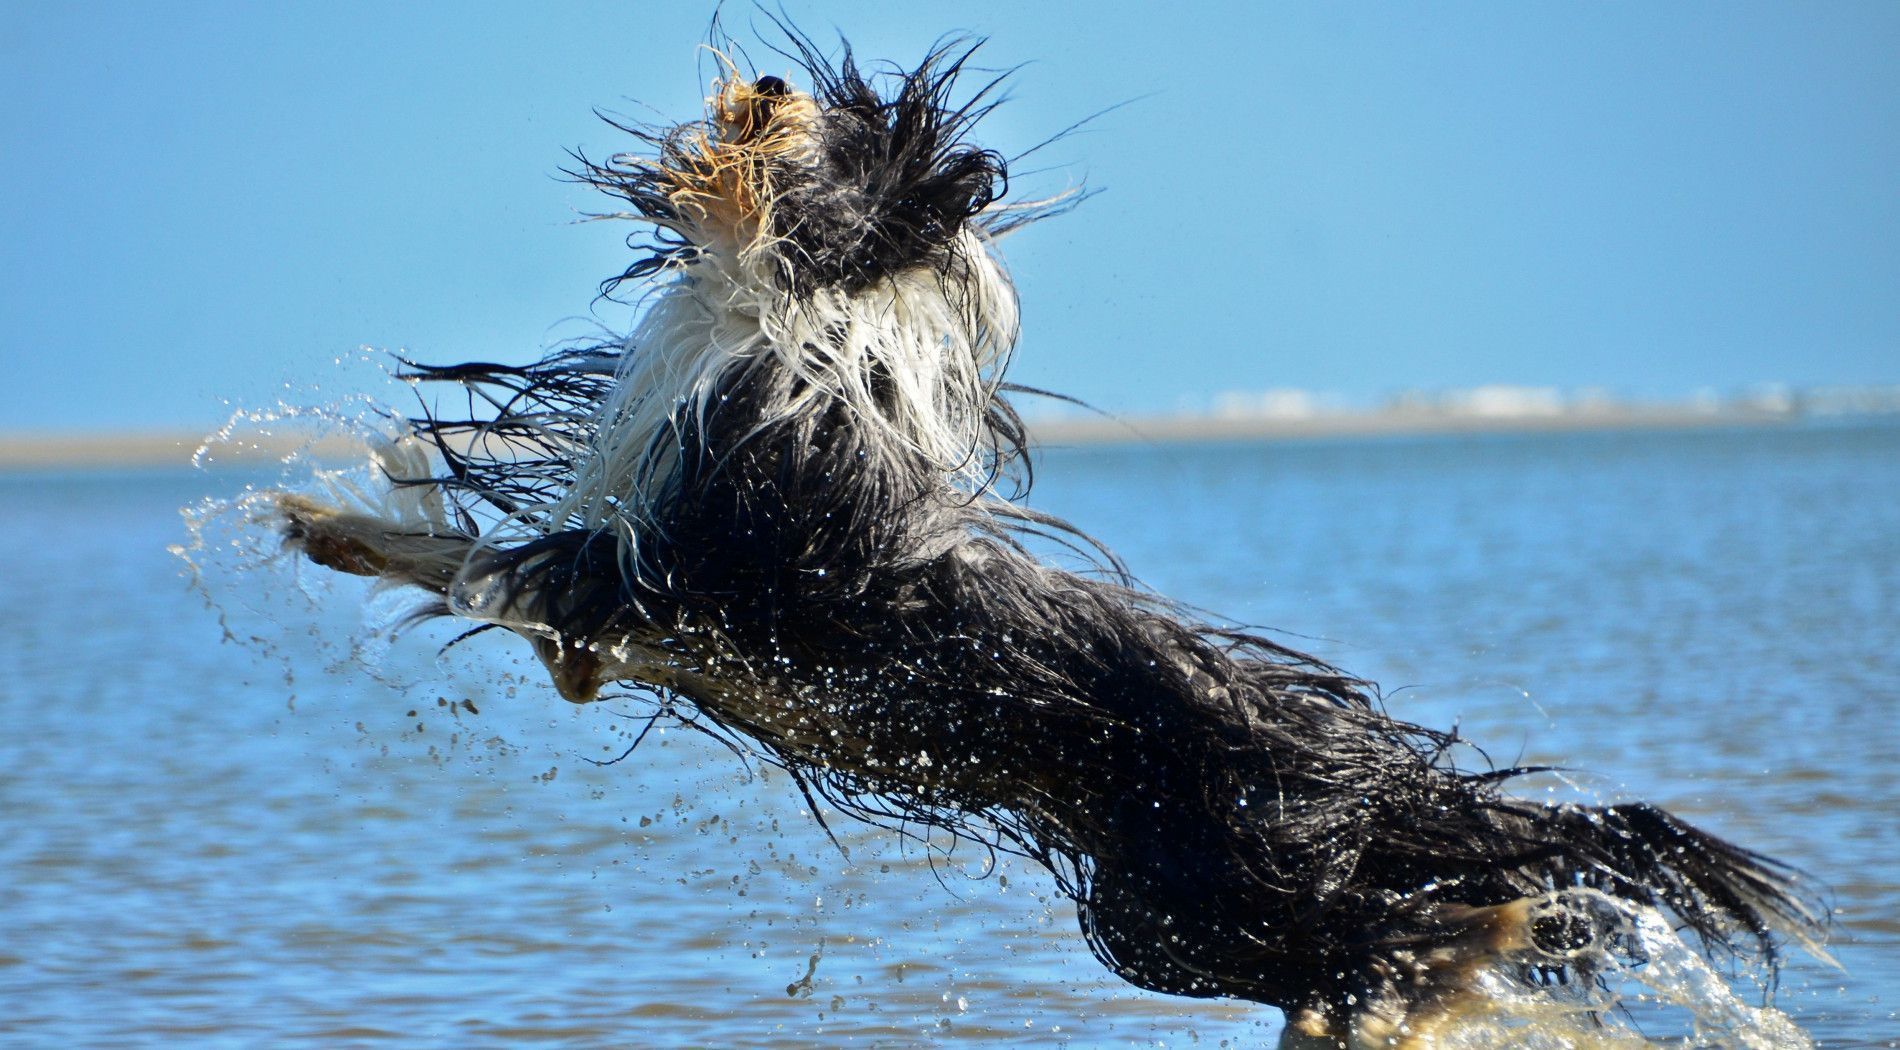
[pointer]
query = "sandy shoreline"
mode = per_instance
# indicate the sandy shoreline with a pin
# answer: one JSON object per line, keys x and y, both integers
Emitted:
{"x": 1391, "y": 422}
{"x": 153, "y": 449}
{"x": 174, "y": 448}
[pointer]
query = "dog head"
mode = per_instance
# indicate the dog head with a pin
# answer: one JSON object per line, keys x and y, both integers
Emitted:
{"x": 824, "y": 251}
{"x": 847, "y": 182}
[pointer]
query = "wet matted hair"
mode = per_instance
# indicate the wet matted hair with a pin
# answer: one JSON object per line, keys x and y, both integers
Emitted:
{"x": 784, "y": 507}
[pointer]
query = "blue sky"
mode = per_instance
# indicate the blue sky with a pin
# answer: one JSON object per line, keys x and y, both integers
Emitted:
{"x": 203, "y": 202}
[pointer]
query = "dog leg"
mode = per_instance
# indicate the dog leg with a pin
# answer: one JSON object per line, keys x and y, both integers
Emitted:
{"x": 363, "y": 545}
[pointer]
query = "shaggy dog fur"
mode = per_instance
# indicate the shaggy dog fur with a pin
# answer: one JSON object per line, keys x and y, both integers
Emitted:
{"x": 777, "y": 506}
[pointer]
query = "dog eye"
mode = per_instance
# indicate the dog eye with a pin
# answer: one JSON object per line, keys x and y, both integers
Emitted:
{"x": 771, "y": 87}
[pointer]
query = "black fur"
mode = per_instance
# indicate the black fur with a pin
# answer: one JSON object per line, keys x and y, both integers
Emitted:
{"x": 1231, "y": 817}
{"x": 892, "y": 184}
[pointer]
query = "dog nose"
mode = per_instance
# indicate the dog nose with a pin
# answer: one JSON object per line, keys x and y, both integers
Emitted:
{"x": 771, "y": 87}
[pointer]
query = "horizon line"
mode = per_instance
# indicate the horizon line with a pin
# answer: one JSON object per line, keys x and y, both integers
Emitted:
{"x": 177, "y": 446}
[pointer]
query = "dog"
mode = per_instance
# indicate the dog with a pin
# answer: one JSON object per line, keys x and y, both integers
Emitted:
{"x": 782, "y": 506}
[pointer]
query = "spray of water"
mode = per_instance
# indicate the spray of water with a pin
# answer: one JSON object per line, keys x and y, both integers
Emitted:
{"x": 1635, "y": 984}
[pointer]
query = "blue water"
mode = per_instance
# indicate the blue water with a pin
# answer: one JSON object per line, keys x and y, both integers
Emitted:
{"x": 245, "y": 840}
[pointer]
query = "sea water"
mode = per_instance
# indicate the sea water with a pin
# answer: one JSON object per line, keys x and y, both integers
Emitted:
{"x": 263, "y": 821}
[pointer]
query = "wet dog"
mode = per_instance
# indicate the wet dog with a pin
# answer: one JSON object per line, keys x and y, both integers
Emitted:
{"x": 781, "y": 506}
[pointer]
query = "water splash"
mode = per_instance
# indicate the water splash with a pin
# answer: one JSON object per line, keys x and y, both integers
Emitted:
{"x": 1635, "y": 978}
{"x": 294, "y": 616}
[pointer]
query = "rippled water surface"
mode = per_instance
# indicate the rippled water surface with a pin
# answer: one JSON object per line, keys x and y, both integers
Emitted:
{"x": 250, "y": 840}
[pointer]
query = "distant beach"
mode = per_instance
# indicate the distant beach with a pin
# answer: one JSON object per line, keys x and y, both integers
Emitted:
{"x": 1391, "y": 421}
{"x": 1275, "y": 416}
{"x": 145, "y": 449}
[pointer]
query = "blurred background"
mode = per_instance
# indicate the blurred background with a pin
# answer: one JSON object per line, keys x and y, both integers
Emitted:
{"x": 1627, "y": 200}
{"x": 1538, "y": 362}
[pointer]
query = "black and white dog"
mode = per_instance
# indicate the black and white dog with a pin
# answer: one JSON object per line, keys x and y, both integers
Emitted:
{"x": 777, "y": 506}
